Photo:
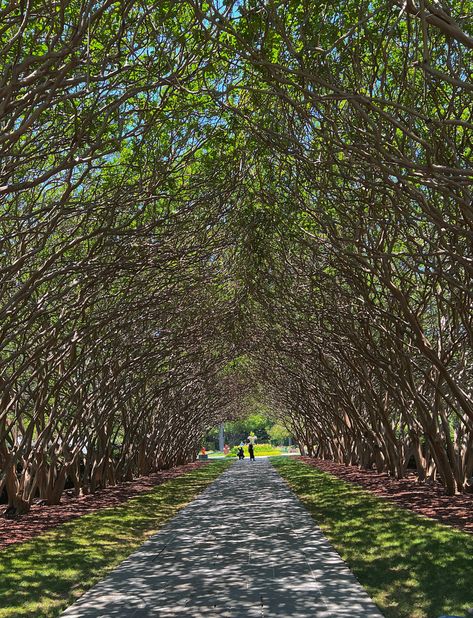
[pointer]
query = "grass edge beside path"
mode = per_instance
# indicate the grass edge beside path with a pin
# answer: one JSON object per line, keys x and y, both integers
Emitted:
{"x": 410, "y": 565}
{"x": 43, "y": 576}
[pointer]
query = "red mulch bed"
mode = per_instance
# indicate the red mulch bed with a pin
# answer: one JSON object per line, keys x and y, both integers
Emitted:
{"x": 429, "y": 500}
{"x": 43, "y": 518}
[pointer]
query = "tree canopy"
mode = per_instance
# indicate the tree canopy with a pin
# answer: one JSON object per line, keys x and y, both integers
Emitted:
{"x": 205, "y": 202}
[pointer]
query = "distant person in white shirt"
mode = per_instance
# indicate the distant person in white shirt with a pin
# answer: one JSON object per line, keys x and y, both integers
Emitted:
{"x": 252, "y": 438}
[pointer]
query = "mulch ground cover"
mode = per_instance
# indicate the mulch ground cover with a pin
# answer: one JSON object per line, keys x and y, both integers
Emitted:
{"x": 43, "y": 518}
{"x": 425, "y": 499}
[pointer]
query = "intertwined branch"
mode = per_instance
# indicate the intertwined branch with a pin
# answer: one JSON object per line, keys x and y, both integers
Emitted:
{"x": 185, "y": 184}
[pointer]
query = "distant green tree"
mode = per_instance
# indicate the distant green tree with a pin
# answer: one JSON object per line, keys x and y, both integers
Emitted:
{"x": 278, "y": 434}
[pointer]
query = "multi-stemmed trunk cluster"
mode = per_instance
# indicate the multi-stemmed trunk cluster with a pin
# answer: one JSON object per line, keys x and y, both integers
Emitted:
{"x": 109, "y": 224}
{"x": 359, "y": 118}
{"x": 281, "y": 183}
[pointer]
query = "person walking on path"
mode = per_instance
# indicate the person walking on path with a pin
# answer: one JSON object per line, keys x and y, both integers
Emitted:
{"x": 252, "y": 438}
{"x": 241, "y": 453}
{"x": 251, "y": 451}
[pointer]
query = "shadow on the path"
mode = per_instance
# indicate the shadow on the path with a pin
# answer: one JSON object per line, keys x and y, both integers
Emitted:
{"x": 245, "y": 547}
{"x": 416, "y": 565}
{"x": 49, "y": 568}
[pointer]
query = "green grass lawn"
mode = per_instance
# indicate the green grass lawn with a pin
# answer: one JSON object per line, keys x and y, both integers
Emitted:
{"x": 215, "y": 454}
{"x": 43, "y": 576}
{"x": 411, "y": 566}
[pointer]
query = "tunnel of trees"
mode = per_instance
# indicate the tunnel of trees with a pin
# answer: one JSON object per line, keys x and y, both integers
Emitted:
{"x": 207, "y": 203}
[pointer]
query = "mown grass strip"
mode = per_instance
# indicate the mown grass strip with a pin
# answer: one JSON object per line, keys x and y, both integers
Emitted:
{"x": 412, "y": 566}
{"x": 43, "y": 576}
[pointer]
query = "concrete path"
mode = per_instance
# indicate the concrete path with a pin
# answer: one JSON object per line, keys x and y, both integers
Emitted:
{"x": 245, "y": 547}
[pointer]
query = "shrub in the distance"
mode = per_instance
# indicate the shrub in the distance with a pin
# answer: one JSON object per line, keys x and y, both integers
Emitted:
{"x": 260, "y": 449}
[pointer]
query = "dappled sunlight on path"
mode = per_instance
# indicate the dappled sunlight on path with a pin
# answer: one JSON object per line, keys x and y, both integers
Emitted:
{"x": 246, "y": 546}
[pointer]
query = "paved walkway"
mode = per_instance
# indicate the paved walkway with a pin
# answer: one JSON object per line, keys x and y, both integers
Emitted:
{"x": 246, "y": 547}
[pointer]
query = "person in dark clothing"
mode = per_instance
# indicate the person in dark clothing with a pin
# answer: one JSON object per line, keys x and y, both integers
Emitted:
{"x": 251, "y": 451}
{"x": 241, "y": 453}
